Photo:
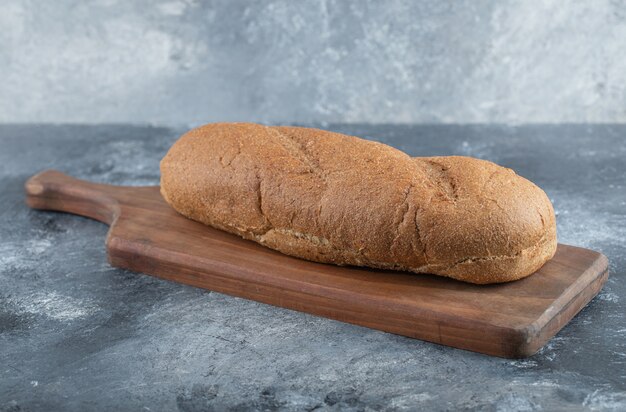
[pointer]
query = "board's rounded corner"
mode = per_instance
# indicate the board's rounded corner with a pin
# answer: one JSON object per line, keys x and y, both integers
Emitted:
{"x": 114, "y": 249}
{"x": 523, "y": 341}
{"x": 113, "y": 243}
{"x": 603, "y": 262}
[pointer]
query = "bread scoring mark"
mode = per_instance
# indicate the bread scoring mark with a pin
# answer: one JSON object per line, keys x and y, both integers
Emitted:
{"x": 418, "y": 233}
{"x": 439, "y": 175}
{"x": 406, "y": 206}
{"x": 267, "y": 225}
{"x": 228, "y": 162}
{"x": 299, "y": 152}
{"x": 543, "y": 221}
{"x": 490, "y": 179}
{"x": 499, "y": 206}
{"x": 507, "y": 214}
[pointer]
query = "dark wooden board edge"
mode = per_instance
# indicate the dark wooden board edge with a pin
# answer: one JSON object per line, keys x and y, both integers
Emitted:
{"x": 572, "y": 301}
{"x": 501, "y": 341}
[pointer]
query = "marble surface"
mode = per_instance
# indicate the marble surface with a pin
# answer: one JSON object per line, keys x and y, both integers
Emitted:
{"x": 427, "y": 61}
{"x": 77, "y": 334}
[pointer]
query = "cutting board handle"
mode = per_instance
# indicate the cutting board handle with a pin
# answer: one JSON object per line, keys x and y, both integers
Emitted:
{"x": 53, "y": 190}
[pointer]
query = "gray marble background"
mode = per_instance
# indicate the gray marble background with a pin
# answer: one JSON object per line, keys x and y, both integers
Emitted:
{"x": 79, "y": 335}
{"x": 189, "y": 62}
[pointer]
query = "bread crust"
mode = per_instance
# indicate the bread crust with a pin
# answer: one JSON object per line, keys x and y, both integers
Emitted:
{"x": 333, "y": 198}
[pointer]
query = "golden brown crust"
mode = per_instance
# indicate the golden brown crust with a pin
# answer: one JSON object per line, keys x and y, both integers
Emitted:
{"x": 339, "y": 199}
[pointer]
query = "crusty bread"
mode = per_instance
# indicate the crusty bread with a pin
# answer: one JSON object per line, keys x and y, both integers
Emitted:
{"x": 333, "y": 198}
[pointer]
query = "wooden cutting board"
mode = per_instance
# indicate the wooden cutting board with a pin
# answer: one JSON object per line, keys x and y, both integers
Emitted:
{"x": 509, "y": 320}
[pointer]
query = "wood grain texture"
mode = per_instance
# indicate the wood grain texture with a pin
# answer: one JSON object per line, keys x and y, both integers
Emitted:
{"x": 509, "y": 320}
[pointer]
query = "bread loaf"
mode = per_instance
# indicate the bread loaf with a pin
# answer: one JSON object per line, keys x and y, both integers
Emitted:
{"x": 338, "y": 199}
